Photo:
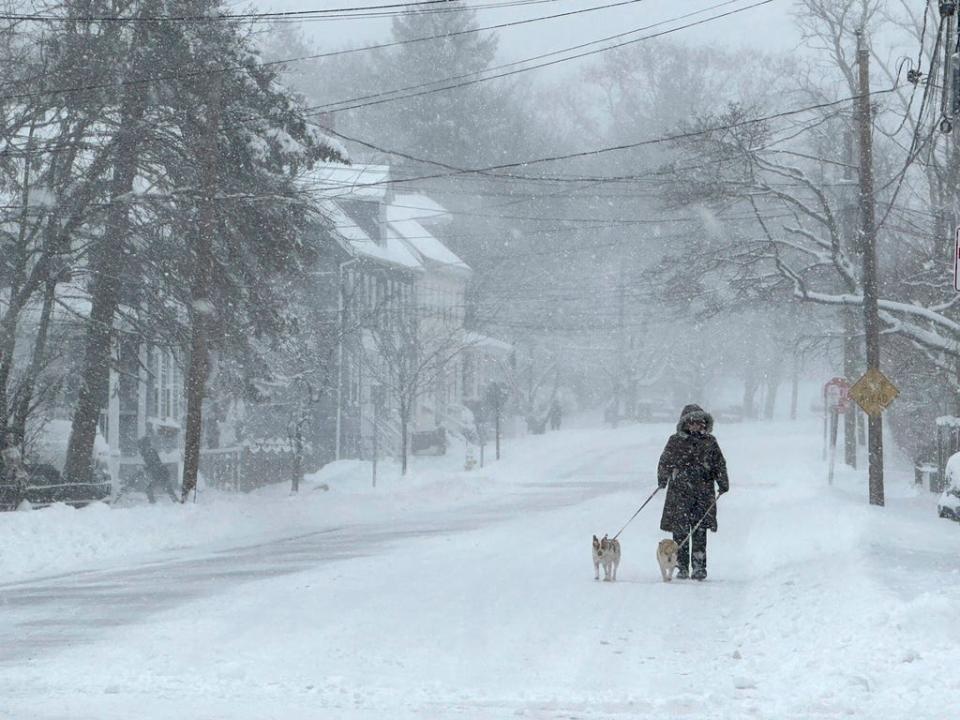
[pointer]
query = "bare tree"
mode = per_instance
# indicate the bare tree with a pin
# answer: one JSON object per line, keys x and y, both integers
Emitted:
{"x": 409, "y": 356}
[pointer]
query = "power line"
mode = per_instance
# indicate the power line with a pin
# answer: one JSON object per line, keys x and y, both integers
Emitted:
{"x": 182, "y": 75}
{"x": 469, "y": 31}
{"x": 548, "y": 218}
{"x": 596, "y": 151}
{"x": 378, "y": 98}
{"x": 421, "y": 6}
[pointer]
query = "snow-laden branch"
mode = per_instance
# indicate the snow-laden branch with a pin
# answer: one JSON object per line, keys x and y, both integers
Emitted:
{"x": 900, "y": 317}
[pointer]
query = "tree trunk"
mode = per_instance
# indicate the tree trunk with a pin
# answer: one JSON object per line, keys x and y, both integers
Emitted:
{"x": 403, "y": 439}
{"x": 106, "y": 258}
{"x": 25, "y": 395}
{"x": 773, "y": 384}
{"x": 8, "y": 327}
{"x": 795, "y": 386}
{"x": 850, "y": 361}
{"x": 750, "y": 393}
{"x": 201, "y": 308}
{"x": 297, "y": 470}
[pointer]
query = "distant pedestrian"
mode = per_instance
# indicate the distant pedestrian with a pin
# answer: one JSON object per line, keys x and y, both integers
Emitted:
{"x": 16, "y": 475}
{"x": 556, "y": 415}
{"x": 692, "y": 467}
{"x": 157, "y": 474}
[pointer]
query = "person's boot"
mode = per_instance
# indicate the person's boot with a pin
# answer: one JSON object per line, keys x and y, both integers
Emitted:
{"x": 683, "y": 557}
{"x": 699, "y": 566}
{"x": 683, "y": 565}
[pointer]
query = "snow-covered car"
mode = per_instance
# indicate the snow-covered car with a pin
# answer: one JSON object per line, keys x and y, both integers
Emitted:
{"x": 948, "y": 506}
{"x": 729, "y": 414}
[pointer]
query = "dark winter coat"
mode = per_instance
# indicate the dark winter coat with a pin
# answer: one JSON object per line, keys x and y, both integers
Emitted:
{"x": 155, "y": 470}
{"x": 691, "y": 466}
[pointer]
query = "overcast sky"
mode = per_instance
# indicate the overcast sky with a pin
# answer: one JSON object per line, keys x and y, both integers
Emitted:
{"x": 768, "y": 27}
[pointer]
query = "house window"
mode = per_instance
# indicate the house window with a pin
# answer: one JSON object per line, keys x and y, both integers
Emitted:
{"x": 165, "y": 381}
{"x": 153, "y": 382}
{"x": 468, "y": 376}
{"x": 176, "y": 383}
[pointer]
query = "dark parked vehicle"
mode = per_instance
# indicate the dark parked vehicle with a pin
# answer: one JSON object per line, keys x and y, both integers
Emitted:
{"x": 45, "y": 486}
{"x": 948, "y": 506}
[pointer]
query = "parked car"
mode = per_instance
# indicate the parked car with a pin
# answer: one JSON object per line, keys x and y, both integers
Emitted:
{"x": 729, "y": 414}
{"x": 655, "y": 411}
{"x": 948, "y": 506}
{"x": 46, "y": 486}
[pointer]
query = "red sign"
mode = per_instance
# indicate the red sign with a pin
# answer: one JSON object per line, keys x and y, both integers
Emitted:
{"x": 836, "y": 394}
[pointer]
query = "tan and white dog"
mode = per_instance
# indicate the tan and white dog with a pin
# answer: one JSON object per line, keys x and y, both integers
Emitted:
{"x": 607, "y": 553}
{"x": 667, "y": 551}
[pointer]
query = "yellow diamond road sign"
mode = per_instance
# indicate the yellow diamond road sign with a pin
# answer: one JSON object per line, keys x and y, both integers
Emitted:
{"x": 873, "y": 392}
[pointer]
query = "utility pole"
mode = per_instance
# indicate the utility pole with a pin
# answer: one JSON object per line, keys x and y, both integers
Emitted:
{"x": 868, "y": 238}
{"x": 378, "y": 395}
{"x": 621, "y": 367}
{"x": 850, "y": 324}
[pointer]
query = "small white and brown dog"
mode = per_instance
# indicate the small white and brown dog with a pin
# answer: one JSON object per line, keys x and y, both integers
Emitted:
{"x": 667, "y": 552}
{"x": 607, "y": 553}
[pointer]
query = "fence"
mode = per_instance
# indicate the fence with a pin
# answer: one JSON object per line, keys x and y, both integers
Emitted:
{"x": 246, "y": 467}
{"x": 43, "y": 486}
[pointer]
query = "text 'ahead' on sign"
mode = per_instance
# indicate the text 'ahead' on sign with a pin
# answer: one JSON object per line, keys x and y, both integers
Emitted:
{"x": 873, "y": 392}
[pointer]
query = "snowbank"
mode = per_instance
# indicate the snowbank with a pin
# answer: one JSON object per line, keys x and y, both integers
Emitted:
{"x": 60, "y": 538}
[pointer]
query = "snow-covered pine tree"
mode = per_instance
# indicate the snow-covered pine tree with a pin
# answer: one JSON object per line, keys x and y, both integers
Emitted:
{"x": 453, "y": 125}
{"x": 247, "y": 217}
{"x": 58, "y": 78}
{"x": 216, "y": 203}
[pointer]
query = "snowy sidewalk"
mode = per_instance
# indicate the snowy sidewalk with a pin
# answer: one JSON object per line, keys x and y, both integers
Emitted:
{"x": 61, "y": 539}
{"x": 817, "y": 606}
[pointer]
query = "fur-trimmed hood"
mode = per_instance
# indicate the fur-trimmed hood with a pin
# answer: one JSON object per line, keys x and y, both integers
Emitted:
{"x": 694, "y": 412}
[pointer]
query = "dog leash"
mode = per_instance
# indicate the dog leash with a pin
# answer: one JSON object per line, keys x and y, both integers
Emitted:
{"x": 655, "y": 491}
{"x": 695, "y": 527}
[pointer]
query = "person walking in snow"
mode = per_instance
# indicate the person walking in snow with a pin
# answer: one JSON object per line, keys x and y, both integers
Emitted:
{"x": 692, "y": 468}
{"x": 157, "y": 474}
{"x": 17, "y": 476}
{"x": 556, "y": 415}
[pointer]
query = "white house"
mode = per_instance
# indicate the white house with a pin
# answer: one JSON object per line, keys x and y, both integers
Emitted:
{"x": 396, "y": 261}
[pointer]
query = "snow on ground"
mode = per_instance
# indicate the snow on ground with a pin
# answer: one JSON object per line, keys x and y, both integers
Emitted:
{"x": 460, "y": 596}
{"x": 61, "y": 538}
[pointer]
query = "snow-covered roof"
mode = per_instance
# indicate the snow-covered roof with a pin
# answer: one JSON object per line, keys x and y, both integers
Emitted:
{"x": 333, "y": 180}
{"x": 416, "y": 206}
{"x": 485, "y": 342}
{"x": 404, "y": 240}
{"x": 359, "y": 244}
{"x": 428, "y": 248}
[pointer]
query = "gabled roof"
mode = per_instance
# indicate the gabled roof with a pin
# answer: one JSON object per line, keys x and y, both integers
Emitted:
{"x": 332, "y": 181}
{"x": 429, "y": 249}
{"x": 416, "y": 206}
{"x": 480, "y": 341}
{"x": 403, "y": 240}
{"x": 358, "y": 243}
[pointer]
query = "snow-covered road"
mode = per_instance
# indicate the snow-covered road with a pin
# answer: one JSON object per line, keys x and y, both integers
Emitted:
{"x": 817, "y": 606}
